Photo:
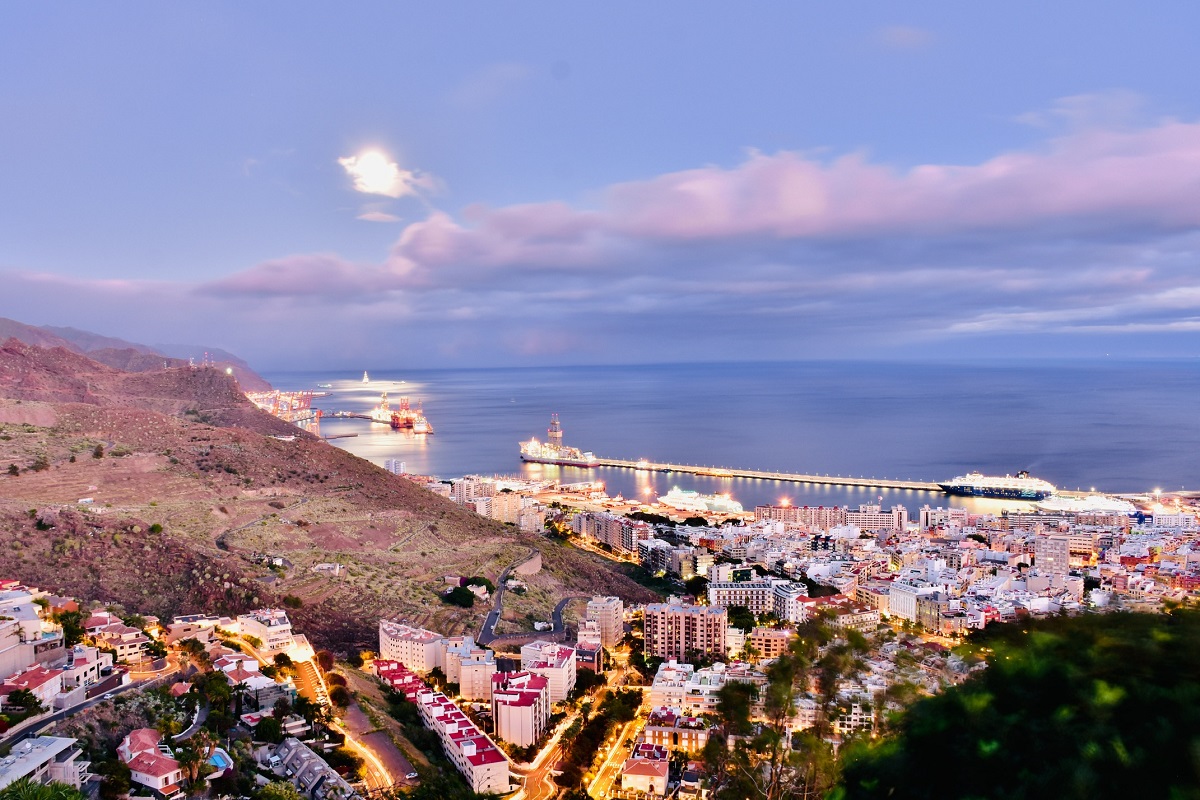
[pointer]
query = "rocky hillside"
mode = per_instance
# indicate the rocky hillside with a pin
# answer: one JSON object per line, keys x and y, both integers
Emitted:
{"x": 192, "y": 496}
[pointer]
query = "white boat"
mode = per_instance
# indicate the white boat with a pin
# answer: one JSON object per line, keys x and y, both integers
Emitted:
{"x": 366, "y": 378}
{"x": 1008, "y": 487}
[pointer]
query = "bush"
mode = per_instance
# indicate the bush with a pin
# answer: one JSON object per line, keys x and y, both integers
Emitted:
{"x": 459, "y": 596}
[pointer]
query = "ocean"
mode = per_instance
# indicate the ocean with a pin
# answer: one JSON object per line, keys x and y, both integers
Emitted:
{"x": 1117, "y": 427}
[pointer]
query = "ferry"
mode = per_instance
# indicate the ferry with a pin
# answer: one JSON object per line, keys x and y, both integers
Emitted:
{"x": 1009, "y": 487}
{"x": 1091, "y": 504}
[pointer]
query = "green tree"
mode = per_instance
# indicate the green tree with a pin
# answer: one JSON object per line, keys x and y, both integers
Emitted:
{"x": 279, "y": 790}
{"x": 116, "y": 779}
{"x": 98, "y": 452}
{"x": 71, "y": 623}
{"x": 741, "y": 617}
{"x": 325, "y": 660}
{"x": 1104, "y": 706}
{"x": 340, "y": 696}
{"x": 26, "y": 789}
{"x": 268, "y": 729}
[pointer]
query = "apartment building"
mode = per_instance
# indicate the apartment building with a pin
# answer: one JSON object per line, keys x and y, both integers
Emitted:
{"x": 520, "y": 707}
{"x": 609, "y": 614}
{"x": 554, "y": 662}
{"x": 416, "y": 648}
{"x": 474, "y": 755}
{"x": 45, "y": 759}
{"x": 675, "y": 631}
{"x": 270, "y": 626}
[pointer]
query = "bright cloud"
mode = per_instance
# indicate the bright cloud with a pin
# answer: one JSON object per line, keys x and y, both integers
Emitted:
{"x": 374, "y": 173}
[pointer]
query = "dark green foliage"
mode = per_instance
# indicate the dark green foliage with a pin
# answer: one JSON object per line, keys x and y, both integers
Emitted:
{"x": 618, "y": 707}
{"x": 459, "y": 596}
{"x": 1082, "y": 707}
{"x": 292, "y": 601}
{"x": 652, "y": 519}
{"x": 14, "y": 470}
{"x": 268, "y": 729}
{"x": 741, "y": 617}
{"x": 345, "y": 762}
{"x": 156, "y": 528}
{"x": 585, "y": 681}
{"x": 340, "y": 696}
{"x": 325, "y": 660}
{"x": 72, "y": 625}
{"x": 98, "y": 452}
{"x": 695, "y": 522}
{"x": 697, "y": 585}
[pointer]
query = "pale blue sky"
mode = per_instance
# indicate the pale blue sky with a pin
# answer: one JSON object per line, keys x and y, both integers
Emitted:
{"x": 871, "y": 179}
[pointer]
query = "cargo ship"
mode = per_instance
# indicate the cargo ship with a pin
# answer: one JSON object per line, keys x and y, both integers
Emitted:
{"x": 689, "y": 500}
{"x": 1009, "y": 487}
{"x": 553, "y": 451}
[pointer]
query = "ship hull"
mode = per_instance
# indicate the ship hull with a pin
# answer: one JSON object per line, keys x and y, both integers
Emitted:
{"x": 562, "y": 462}
{"x": 1000, "y": 493}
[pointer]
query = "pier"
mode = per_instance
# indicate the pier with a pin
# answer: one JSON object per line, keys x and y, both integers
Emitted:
{"x": 788, "y": 477}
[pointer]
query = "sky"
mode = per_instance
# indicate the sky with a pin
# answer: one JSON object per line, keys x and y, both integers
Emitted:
{"x": 489, "y": 184}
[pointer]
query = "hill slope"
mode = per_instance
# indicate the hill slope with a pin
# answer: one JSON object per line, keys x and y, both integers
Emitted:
{"x": 183, "y": 449}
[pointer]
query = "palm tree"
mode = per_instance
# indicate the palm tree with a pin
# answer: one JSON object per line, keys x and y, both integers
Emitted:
{"x": 26, "y": 789}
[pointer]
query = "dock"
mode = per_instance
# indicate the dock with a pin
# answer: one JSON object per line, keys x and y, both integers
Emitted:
{"x": 787, "y": 477}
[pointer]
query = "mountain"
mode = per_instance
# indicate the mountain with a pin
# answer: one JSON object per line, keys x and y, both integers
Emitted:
{"x": 130, "y": 356}
{"x": 192, "y": 491}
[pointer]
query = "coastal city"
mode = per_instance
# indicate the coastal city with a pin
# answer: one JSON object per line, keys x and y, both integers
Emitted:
{"x": 599, "y": 401}
{"x": 619, "y": 697}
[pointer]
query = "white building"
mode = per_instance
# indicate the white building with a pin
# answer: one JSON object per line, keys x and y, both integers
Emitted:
{"x": 554, "y": 662}
{"x": 609, "y": 614}
{"x": 148, "y": 764}
{"x": 468, "y": 665}
{"x": 270, "y": 626}
{"x": 695, "y": 691}
{"x": 520, "y": 706}
{"x": 675, "y": 631}
{"x": 473, "y": 754}
{"x": 416, "y": 648}
{"x": 45, "y": 759}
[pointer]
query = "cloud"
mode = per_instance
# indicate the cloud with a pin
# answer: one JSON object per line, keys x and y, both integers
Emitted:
{"x": 378, "y": 216}
{"x": 1093, "y": 232}
{"x": 1113, "y": 109}
{"x": 904, "y": 37}
{"x": 373, "y": 173}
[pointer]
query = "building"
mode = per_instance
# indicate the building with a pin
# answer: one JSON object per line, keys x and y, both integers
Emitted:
{"x": 45, "y": 759}
{"x": 309, "y": 773}
{"x": 554, "y": 662}
{"x": 468, "y": 665}
{"x": 815, "y": 518}
{"x": 520, "y": 707}
{"x": 1052, "y": 554}
{"x": 770, "y": 643}
{"x": 416, "y": 648}
{"x": 871, "y": 517}
{"x": 670, "y": 729}
{"x": 609, "y": 614}
{"x": 270, "y": 626}
{"x": 676, "y": 631}
{"x": 646, "y": 771}
{"x": 474, "y": 755}
{"x": 399, "y": 677}
{"x": 695, "y": 691}
{"x": 148, "y": 764}
{"x": 759, "y": 596}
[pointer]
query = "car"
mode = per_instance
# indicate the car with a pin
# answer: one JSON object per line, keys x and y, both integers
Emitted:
{"x": 412, "y": 776}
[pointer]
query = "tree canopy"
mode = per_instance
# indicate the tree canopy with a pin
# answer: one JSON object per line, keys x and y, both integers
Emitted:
{"x": 1079, "y": 707}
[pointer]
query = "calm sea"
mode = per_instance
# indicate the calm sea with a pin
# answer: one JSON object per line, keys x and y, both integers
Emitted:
{"x": 1128, "y": 427}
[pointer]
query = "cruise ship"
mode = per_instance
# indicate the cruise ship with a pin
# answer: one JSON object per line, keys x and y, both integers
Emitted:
{"x": 553, "y": 451}
{"x": 689, "y": 500}
{"x": 1009, "y": 487}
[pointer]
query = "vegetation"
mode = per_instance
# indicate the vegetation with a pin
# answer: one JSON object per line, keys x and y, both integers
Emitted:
{"x": 584, "y": 739}
{"x": 1080, "y": 707}
{"x": 459, "y": 596}
{"x": 26, "y": 789}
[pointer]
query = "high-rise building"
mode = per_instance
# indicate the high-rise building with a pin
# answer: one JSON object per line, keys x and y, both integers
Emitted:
{"x": 676, "y": 631}
{"x": 609, "y": 613}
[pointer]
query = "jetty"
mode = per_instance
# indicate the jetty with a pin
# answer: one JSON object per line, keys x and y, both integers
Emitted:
{"x": 787, "y": 477}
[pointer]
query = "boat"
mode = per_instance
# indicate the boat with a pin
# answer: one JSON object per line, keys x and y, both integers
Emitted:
{"x": 324, "y": 385}
{"x": 553, "y": 451}
{"x": 407, "y": 418}
{"x": 690, "y": 500}
{"x": 1008, "y": 487}
{"x": 1091, "y": 504}
{"x": 366, "y": 378}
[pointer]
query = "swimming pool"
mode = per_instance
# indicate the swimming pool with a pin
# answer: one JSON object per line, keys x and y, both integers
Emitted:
{"x": 220, "y": 759}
